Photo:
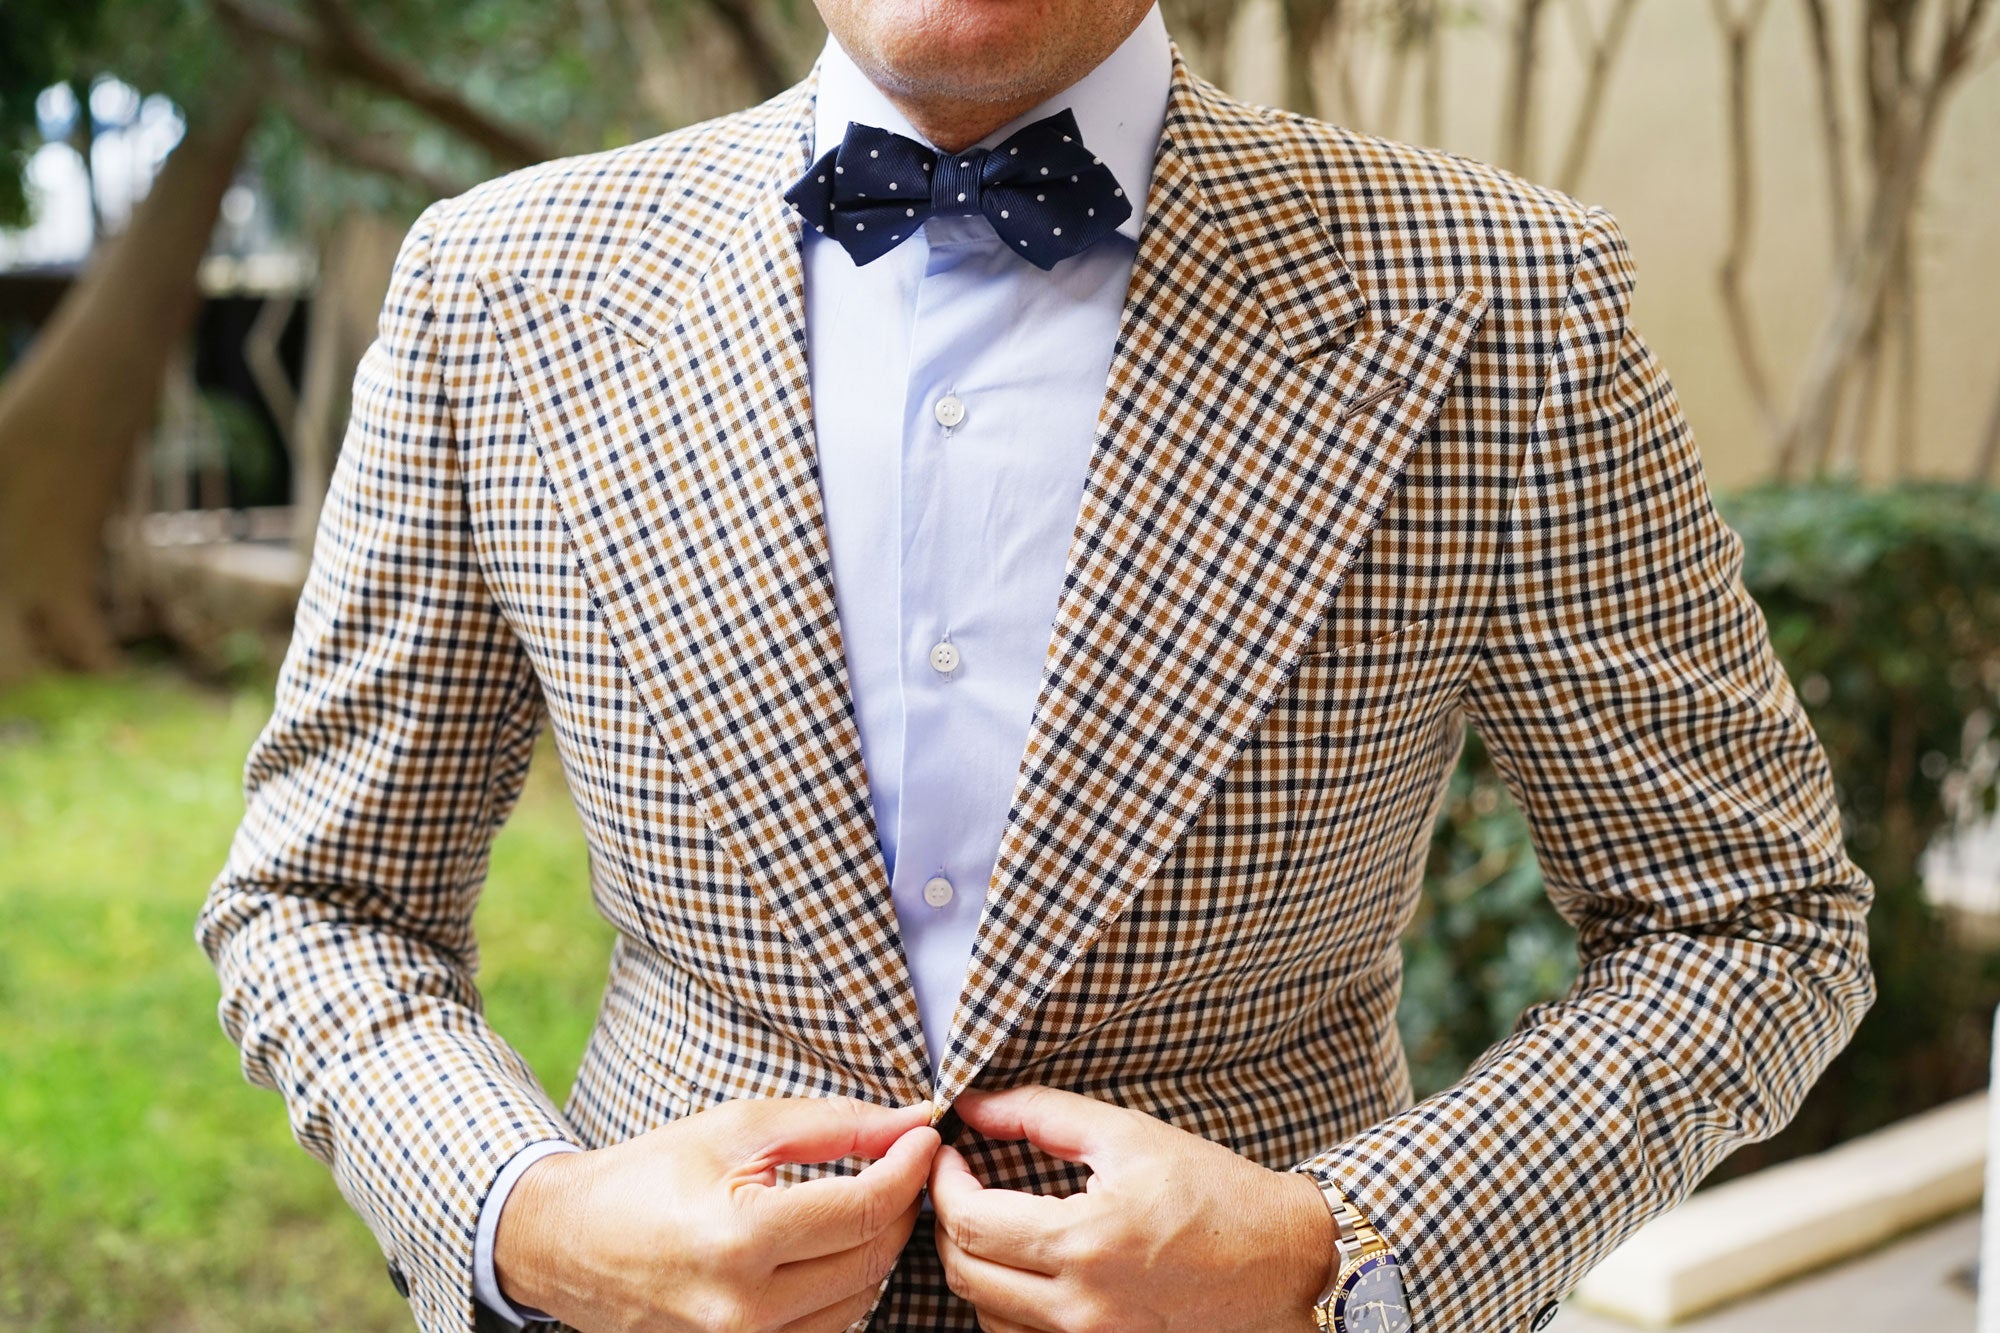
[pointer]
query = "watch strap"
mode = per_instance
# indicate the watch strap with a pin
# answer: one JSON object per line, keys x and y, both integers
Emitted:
{"x": 1356, "y": 1241}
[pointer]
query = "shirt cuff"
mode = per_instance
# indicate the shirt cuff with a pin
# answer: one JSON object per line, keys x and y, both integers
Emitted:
{"x": 484, "y": 1284}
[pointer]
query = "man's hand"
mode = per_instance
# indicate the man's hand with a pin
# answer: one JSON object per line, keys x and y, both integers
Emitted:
{"x": 1172, "y": 1231}
{"x": 687, "y": 1228}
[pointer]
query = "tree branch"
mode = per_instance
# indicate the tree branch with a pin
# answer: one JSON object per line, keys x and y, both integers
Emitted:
{"x": 762, "y": 56}
{"x": 1602, "y": 52}
{"x": 1988, "y": 462}
{"x": 1307, "y": 23}
{"x": 1833, "y": 128}
{"x": 1738, "y": 33}
{"x": 1431, "y": 122}
{"x": 374, "y": 153}
{"x": 1844, "y": 446}
{"x": 1517, "y": 131}
{"x": 338, "y": 43}
{"x": 639, "y": 20}
{"x": 1901, "y": 317}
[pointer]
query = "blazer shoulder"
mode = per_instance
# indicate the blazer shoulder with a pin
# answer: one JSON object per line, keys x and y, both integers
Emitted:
{"x": 561, "y": 223}
{"x": 1381, "y": 166}
{"x": 1425, "y": 222}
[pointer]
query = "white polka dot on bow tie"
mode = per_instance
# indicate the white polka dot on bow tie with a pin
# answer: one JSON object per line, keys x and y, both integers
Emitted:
{"x": 909, "y": 212}
{"x": 1041, "y": 198}
{"x": 1013, "y": 152}
{"x": 1072, "y": 180}
{"x": 1058, "y": 231}
{"x": 1118, "y": 193}
{"x": 1065, "y": 138}
{"x": 895, "y": 238}
{"x": 822, "y": 180}
{"x": 1045, "y": 171}
{"x": 1005, "y": 214}
{"x": 840, "y": 171}
{"x": 927, "y": 166}
{"x": 861, "y": 226}
{"x": 1096, "y": 161}
{"x": 893, "y": 185}
{"x": 1024, "y": 244}
{"x": 961, "y": 198}
{"x": 874, "y": 152}
{"x": 965, "y": 164}
{"x": 1090, "y": 212}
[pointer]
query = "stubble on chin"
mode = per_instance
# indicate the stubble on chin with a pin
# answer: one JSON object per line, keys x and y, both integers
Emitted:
{"x": 937, "y": 53}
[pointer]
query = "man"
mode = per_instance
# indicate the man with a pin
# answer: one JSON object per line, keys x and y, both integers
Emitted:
{"x": 1007, "y": 680}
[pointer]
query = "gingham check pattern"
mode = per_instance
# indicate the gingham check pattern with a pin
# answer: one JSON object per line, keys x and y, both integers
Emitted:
{"x": 1379, "y": 455}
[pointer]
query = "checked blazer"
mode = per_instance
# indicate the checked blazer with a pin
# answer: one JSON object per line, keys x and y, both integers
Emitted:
{"x": 1379, "y": 457}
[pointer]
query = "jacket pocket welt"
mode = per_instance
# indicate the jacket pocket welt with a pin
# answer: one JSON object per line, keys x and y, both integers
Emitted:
{"x": 1357, "y": 688}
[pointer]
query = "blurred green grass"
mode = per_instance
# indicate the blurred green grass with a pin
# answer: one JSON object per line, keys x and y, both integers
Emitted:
{"x": 143, "y": 1183}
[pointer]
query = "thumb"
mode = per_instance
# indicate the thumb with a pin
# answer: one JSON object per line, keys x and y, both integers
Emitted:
{"x": 901, "y": 1171}
{"x": 952, "y": 1181}
{"x": 823, "y": 1129}
{"x": 1062, "y": 1124}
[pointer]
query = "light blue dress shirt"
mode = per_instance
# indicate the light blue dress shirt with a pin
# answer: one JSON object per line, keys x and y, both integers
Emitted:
{"x": 955, "y": 392}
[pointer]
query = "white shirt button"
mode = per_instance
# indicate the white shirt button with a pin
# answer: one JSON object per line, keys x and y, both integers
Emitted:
{"x": 937, "y": 891}
{"x": 944, "y": 658}
{"x": 949, "y": 410}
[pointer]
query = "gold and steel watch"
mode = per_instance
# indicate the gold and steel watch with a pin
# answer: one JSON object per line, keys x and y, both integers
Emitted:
{"x": 1367, "y": 1291}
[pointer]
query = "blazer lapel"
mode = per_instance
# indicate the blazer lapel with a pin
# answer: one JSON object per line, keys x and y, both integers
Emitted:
{"x": 1242, "y": 458}
{"x": 671, "y": 410}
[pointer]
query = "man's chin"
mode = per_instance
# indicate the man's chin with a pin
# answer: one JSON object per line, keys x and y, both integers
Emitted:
{"x": 983, "y": 50}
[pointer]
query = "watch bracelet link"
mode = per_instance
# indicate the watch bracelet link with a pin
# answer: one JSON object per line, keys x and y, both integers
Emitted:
{"x": 1358, "y": 1241}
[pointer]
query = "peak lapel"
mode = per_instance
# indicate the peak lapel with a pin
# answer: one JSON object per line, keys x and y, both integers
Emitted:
{"x": 670, "y": 407}
{"x": 1243, "y": 456}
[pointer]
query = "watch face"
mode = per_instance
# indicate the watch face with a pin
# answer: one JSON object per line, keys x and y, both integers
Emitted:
{"x": 1372, "y": 1300}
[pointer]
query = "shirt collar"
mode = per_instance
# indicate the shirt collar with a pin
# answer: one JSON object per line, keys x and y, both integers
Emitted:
{"x": 1120, "y": 106}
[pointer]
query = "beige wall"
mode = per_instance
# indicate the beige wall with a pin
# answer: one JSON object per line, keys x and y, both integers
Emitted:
{"x": 1659, "y": 167}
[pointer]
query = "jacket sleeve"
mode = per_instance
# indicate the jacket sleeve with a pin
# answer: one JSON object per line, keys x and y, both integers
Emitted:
{"x": 1683, "y": 815}
{"x": 341, "y": 924}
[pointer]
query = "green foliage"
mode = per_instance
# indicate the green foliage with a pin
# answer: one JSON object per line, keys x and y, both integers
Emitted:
{"x": 1884, "y": 607}
{"x": 1485, "y": 943}
{"x": 143, "y": 1184}
{"x": 568, "y": 76}
{"x": 43, "y": 42}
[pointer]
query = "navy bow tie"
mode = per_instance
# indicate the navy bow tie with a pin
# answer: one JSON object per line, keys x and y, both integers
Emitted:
{"x": 1042, "y": 190}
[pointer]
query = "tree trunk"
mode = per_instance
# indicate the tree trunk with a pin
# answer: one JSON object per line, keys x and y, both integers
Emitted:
{"x": 355, "y": 267}
{"x": 79, "y": 403}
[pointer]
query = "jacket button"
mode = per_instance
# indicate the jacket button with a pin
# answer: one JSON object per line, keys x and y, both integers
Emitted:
{"x": 1546, "y": 1317}
{"x": 398, "y": 1281}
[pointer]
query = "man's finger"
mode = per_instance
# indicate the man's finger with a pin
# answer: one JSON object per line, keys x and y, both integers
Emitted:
{"x": 1020, "y": 1230}
{"x": 808, "y": 1288}
{"x": 1062, "y": 1124}
{"x": 835, "y": 1213}
{"x": 820, "y": 1129}
{"x": 999, "y": 1293}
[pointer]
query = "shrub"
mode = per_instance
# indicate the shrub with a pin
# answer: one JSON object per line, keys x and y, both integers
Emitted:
{"x": 1884, "y": 606}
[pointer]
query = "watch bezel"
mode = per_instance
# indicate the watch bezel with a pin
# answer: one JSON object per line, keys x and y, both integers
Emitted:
{"x": 1352, "y": 1276}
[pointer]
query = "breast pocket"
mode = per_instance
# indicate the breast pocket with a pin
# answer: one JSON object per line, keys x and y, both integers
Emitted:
{"x": 1361, "y": 689}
